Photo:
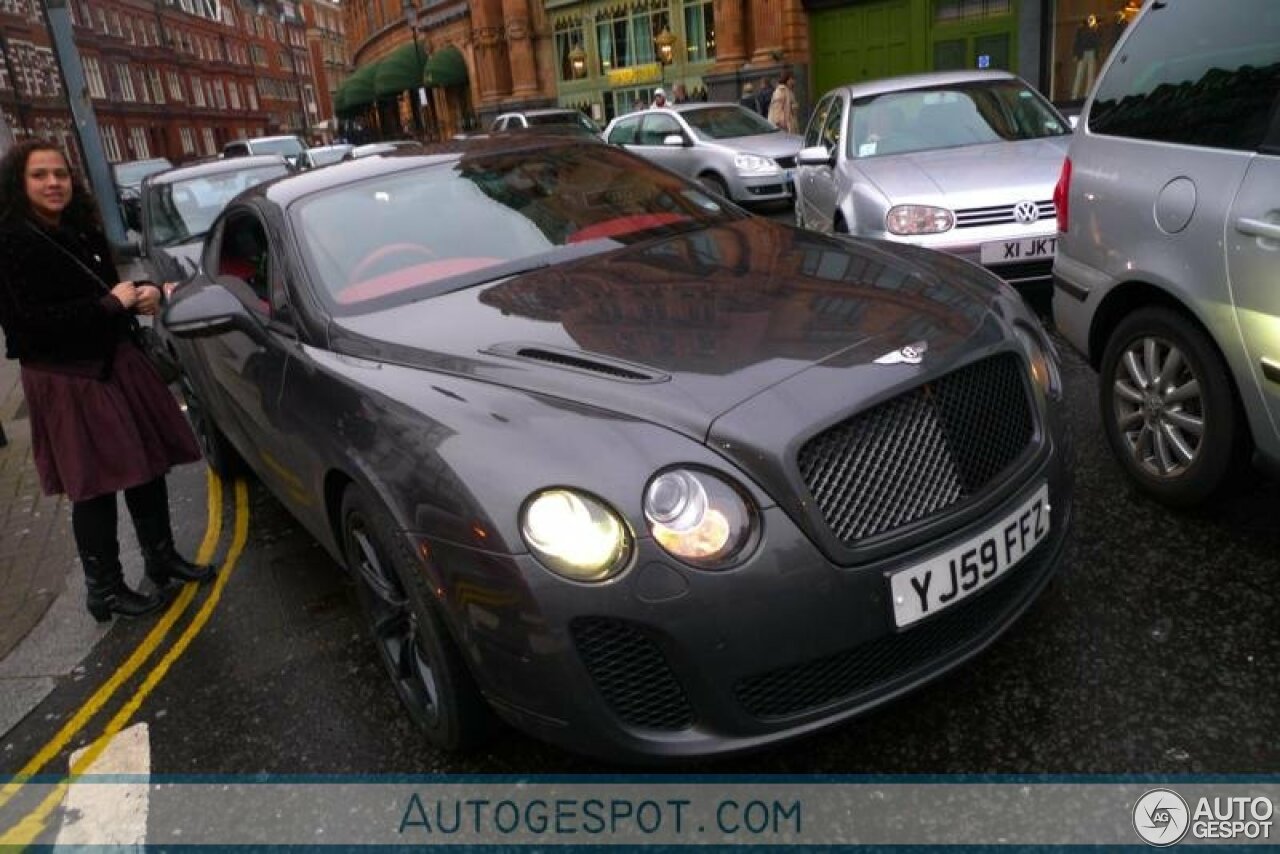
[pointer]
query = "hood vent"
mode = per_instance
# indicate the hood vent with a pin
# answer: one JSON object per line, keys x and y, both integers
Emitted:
{"x": 578, "y": 360}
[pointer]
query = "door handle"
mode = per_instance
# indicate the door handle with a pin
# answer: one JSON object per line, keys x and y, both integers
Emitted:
{"x": 1258, "y": 228}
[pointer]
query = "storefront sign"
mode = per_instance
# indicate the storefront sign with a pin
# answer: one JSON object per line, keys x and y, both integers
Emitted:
{"x": 635, "y": 75}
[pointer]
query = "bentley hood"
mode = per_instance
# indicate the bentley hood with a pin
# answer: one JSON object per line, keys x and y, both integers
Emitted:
{"x": 681, "y": 330}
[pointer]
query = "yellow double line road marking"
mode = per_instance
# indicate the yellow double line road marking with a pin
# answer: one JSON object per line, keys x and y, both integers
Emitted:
{"x": 27, "y": 830}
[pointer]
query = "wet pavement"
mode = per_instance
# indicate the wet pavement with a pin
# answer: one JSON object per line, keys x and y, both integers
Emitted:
{"x": 1156, "y": 651}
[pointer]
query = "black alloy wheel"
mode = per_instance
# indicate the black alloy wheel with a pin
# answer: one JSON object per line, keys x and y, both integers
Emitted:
{"x": 1168, "y": 407}
{"x": 218, "y": 452}
{"x": 425, "y": 666}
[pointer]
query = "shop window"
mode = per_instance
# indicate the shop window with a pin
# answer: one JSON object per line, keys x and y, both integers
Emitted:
{"x": 1084, "y": 32}
{"x": 952, "y": 11}
{"x": 700, "y": 31}
{"x": 568, "y": 37}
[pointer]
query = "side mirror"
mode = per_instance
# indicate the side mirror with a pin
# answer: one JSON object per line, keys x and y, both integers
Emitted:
{"x": 211, "y": 310}
{"x": 674, "y": 139}
{"x": 815, "y": 156}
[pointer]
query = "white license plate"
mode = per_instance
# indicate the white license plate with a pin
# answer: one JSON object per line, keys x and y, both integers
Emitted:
{"x": 1013, "y": 251}
{"x": 942, "y": 581}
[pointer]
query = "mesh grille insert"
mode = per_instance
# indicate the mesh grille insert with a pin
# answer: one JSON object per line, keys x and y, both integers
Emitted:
{"x": 914, "y": 456}
{"x": 631, "y": 674}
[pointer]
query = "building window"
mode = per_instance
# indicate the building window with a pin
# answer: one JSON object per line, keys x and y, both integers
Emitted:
{"x": 950, "y": 11}
{"x": 219, "y": 95}
{"x": 129, "y": 34}
{"x": 111, "y": 143}
{"x": 102, "y": 21}
{"x": 197, "y": 91}
{"x": 626, "y": 39}
{"x": 700, "y": 31}
{"x": 233, "y": 95}
{"x": 188, "y": 140}
{"x": 251, "y": 96}
{"x": 93, "y": 77}
{"x": 138, "y": 143}
{"x": 115, "y": 25}
{"x": 125, "y": 79}
{"x": 175, "y": 85}
{"x": 157, "y": 86}
{"x": 1081, "y": 42}
{"x": 210, "y": 147}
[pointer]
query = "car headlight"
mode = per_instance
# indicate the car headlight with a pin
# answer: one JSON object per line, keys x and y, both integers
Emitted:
{"x": 575, "y": 535}
{"x": 1042, "y": 358}
{"x": 754, "y": 164}
{"x": 698, "y": 517}
{"x": 918, "y": 219}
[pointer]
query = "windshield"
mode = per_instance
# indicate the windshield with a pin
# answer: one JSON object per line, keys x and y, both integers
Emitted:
{"x": 571, "y": 117}
{"x": 182, "y": 211}
{"x": 727, "y": 122}
{"x": 419, "y": 232}
{"x": 277, "y": 146}
{"x": 950, "y": 116}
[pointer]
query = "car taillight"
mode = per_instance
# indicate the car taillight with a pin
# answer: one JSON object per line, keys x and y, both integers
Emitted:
{"x": 1062, "y": 196}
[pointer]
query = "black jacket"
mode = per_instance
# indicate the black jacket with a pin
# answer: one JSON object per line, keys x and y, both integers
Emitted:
{"x": 52, "y": 310}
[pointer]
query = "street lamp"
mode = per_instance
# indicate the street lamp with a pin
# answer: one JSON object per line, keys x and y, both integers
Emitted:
{"x": 411, "y": 21}
{"x": 666, "y": 43}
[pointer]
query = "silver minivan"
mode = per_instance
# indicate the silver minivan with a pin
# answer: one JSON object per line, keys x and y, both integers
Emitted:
{"x": 1167, "y": 275}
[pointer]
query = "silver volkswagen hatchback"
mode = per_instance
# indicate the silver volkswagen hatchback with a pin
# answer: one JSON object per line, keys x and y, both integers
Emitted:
{"x": 959, "y": 161}
{"x": 1168, "y": 271}
{"x": 725, "y": 147}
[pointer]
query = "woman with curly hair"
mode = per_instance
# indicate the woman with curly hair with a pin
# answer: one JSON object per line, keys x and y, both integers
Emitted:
{"x": 101, "y": 418}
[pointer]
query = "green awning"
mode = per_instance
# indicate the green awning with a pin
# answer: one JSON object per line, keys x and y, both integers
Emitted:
{"x": 358, "y": 91}
{"x": 446, "y": 67}
{"x": 340, "y": 99}
{"x": 400, "y": 70}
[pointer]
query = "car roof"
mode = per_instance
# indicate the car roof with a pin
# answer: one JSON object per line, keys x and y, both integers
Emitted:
{"x": 919, "y": 81}
{"x": 284, "y": 191}
{"x": 218, "y": 167}
{"x": 254, "y": 139}
{"x": 543, "y": 111}
{"x": 678, "y": 108}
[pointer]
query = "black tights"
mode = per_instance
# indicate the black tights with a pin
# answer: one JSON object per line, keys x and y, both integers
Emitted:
{"x": 94, "y": 520}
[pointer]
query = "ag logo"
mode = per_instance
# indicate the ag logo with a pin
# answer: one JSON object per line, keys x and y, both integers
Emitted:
{"x": 912, "y": 354}
{"x": 1161, "y": 817}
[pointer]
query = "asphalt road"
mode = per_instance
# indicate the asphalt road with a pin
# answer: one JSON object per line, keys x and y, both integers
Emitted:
{"x": 1157, "y": 650}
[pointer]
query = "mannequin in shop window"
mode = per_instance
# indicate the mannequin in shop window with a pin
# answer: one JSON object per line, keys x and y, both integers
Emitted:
{"x": 1085, "y": 49}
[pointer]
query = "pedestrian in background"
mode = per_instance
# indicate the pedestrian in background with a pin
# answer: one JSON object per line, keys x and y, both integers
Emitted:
{"x": 748, "y": 98}
{"x": 678, "y": 94}
{"x": 659, "y": 99}
{"x": 764, "y": 96}
{"x": 102, "y": 420}
{"x": 783, "y": 109}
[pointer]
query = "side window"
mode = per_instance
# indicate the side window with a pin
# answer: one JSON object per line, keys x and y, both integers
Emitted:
{"x": 657, "y": 127}
{"x": 243, "y": 255}
{"x": 1190, "y": 74}
{"x": 624, "y": 132}
{"x": 813, "y": 134}
{"x": 236, "y": 149}
{"x": 833, "y": 127}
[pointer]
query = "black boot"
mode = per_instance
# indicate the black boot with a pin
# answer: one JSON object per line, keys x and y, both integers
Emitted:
{"x": 165, "y": 564}
{"x": 108, "y": 594}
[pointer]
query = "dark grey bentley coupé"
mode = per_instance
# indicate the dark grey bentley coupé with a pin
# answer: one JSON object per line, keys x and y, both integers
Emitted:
{"x": 646, "y": 475}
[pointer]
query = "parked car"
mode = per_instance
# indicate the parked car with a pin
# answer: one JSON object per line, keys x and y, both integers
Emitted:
{"x": 1166, "y": 274}
{"x": 727, "y": 149}
{"x": 963, "y": 161}
{"x": 574, "y": 119}
{"x": 128, "y": 180}
{"x": 649, "y": 476}
{"x": 325, "y": 155}
{"x": 391, "y": 146}
{"x": 292, "y": 148}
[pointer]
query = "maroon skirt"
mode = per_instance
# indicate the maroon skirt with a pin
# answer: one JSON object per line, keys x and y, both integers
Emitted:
{"x": 90, "y": 436}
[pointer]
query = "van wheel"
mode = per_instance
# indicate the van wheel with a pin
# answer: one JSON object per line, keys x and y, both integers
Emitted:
{"x": 1168, "y": 408}
{"x": 714, "y": 183}
{"x": 420, "y": 656}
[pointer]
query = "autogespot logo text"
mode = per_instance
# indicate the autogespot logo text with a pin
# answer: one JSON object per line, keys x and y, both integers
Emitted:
{"x": 1160, "y": 817}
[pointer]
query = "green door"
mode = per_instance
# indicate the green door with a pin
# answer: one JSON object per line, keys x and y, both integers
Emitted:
{"x": 862, "y": 42}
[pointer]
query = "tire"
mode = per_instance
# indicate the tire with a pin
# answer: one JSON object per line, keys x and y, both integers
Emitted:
{"x": 219, "y": 455}
{"x": 424, "y": 664}
{"x": 714, "y": 183}
{"x": 1180, "y": 433}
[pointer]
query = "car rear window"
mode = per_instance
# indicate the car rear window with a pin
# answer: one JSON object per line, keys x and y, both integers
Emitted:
{"x": 417, "y": 232}
{"x": 1196, "y": 74}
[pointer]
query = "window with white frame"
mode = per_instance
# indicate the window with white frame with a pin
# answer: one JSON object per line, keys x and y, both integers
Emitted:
{"x": 210, "y": 147}
{"x": 115, "y": 25}
{"x": 197, "y": 91}
{"x": 129, "y": 35}
{"x": 219, "y": 95}
{"x": 144, "y": 92}
{"x": 157, "y": 86}
{"x": 125, "y": 78}
{"x": 233, "y": 94}
{"x": 111, "y": 143}
{"x": 251, "y": 96}
{"x": 138, "y": 142}
{"x": 188, "y": 140}
{"x": 102, "y": 22}
{"x": 175, "y": 86}
{"x": 700, "y": 31}
{"x": 93, "y": 77}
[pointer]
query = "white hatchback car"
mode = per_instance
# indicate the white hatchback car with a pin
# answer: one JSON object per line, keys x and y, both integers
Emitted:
{"x": 963, "y": 161}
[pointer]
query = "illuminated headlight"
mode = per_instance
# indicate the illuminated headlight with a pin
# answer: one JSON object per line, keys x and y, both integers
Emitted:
{"x": 918, "y": 219}
{"x": 698, "y": 517}
{"x": 754, "y": 164}
{"x": 1042, "y": 359}
{"x": 575, "y": 535}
